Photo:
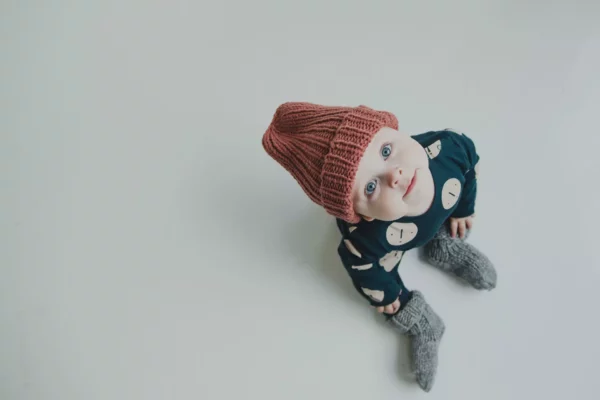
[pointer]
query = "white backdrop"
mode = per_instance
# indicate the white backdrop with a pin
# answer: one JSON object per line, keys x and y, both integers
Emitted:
{"x": 150, "y": 249}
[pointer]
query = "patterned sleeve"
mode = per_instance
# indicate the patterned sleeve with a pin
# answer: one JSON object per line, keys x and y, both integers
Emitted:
{"x": 470, "y": 159}
{"x": 372, "y": 277}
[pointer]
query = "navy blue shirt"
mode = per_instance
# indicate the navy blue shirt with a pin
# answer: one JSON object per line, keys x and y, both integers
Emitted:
{"x": 371, "y": 251}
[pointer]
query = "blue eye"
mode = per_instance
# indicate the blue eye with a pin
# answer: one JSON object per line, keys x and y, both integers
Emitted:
{"x": 386, "y": 151}
{"x": 370, "y": 187}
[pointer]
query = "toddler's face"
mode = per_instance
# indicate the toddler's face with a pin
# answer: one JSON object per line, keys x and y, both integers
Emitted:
{"x": 393, "y": 178}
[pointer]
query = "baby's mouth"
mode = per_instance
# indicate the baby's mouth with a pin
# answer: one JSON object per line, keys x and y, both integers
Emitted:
{"x": 411, "y": 185}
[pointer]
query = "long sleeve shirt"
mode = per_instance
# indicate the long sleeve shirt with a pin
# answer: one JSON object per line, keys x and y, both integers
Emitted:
{"x": 371, "y": 251}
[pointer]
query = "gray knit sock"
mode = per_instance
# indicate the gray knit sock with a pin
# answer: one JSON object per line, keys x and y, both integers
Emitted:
{"x": 462, "y": 259}
{"x": 425, "y": 328}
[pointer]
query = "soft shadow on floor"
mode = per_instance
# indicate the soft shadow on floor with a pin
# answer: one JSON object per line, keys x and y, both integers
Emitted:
{"x": 311, "y": 239}
{"x": 315, "y": 239}
{"x": 313, "y": 242}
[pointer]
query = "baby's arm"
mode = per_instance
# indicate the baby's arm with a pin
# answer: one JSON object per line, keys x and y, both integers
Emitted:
{"x": 462, "y": 217}
{"x": 383, "y": 289}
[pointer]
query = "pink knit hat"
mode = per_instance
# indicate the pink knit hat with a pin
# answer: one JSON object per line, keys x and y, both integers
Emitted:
{"x": 321, "y": 146}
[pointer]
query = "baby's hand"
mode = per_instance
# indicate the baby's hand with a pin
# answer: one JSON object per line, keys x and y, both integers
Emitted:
{"x": 390, "y": 308}
{"x": 461, "y": 225}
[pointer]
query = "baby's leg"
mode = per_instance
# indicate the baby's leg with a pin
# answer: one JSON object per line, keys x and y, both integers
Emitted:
{"x": 417, "y": 320}
{"x": 461, "y": 259}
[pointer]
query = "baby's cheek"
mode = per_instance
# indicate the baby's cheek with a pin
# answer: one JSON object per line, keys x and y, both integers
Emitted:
{"x": 391, "y": 206}
{"x": 417, "y": 158}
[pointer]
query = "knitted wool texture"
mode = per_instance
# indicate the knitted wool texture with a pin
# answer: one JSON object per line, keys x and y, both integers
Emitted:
{"x": 321, "y": 147}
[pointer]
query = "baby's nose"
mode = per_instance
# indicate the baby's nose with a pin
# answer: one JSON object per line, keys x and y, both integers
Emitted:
{"x": 394, "y": 177}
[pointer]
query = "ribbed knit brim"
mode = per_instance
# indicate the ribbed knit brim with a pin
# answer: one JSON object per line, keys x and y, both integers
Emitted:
{"x": 321, "y": 147}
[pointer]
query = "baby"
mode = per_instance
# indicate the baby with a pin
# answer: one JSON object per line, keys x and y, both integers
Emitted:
{"x": 390, "y": 192}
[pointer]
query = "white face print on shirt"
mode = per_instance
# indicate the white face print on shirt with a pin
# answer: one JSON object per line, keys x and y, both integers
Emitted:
{"x": 352, "y": 249}
{"x": 434, "y": 149}
{"x": 450, "y": 193}
{"x": 362, "y": 267}
{"x": 400, "y": 233}
{"x": 390, "y": 260}
{"x": 376, "y": 295}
